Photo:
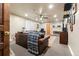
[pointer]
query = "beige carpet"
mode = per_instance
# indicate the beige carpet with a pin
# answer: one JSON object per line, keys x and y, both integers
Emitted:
{"x": 56, "y": 49}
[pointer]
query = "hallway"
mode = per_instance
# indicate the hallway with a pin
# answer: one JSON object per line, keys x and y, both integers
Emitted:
{"x": 56, "y": 49}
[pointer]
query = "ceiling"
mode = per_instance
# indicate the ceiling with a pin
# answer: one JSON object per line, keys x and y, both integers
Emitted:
{"x": 32, "y": 9}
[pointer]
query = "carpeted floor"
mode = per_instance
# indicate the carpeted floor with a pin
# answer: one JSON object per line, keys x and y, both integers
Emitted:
{"x": 56, "y": 49}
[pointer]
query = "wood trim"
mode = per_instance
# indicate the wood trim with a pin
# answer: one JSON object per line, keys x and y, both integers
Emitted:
{"x": 6, "y": 28}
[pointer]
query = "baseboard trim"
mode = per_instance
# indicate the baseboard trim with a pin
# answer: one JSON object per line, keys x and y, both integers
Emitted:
{"x": 72, "y": 53}
{"x": 12, "y": 53}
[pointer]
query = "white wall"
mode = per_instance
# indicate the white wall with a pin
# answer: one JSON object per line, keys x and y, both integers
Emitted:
{"x": 17, "y": 23}
{"x": 30, "y": 25}
{"x": 43, "y": 26}
{"x": 73, "y": 37}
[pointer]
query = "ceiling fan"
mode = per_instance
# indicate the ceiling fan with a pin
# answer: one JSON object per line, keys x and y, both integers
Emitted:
{"x": 41, "y": 15}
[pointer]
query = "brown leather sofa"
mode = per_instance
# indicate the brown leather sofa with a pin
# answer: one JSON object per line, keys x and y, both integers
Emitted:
{"x": 43, "y": 44}
{"x": 21, "y": 39}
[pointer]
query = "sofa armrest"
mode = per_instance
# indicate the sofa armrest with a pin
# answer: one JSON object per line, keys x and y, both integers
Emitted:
{"x": 43, "y": 44}
{"x": 43, "y": 40}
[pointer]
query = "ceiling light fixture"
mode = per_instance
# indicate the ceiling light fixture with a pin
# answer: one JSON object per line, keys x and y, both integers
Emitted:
{"x": 55, "y": 16}
{"x": 26, "y": 15}
{"x": 41, "y": 18}
{"x": 50, "y": 6}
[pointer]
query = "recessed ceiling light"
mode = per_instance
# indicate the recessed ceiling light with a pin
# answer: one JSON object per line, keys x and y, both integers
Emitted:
{"x": 50, "y": 6}
{"x": 55, "y": 16}
{"x": 26, "y": 15}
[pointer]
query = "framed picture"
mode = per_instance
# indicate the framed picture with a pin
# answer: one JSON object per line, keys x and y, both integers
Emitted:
{"x": 74, "y": 8}
{"x": 69, "y": 20}
{"x": 73, "y": 19}
{"x": 71, "y": 27}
